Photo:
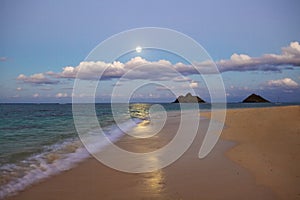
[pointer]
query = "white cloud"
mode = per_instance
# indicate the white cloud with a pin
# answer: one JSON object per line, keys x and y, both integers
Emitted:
{"x": 193, "y": 84}
{"x": 285, "y": 82}
{"x": 268, "y": 62}
{"x": 240, "y": 57}
{"x": 91, "y": 70}
{"x": 36, "y": 95}
{"x": 36, "y": 79}
{"x": 19, "y": 88}
{"x": 60, "y": 95}
{"x": 293, "y": 50}
{"x": 163, "y": 70}
{"x": 136, "y": 68}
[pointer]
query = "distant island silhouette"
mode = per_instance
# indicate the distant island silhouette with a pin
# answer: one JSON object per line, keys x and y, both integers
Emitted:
{"x": 254, "y": 98}
{"x": 189, "y": 98}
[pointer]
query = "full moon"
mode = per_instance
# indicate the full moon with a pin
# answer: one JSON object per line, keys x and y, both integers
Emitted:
{"x": 138, "y": 49}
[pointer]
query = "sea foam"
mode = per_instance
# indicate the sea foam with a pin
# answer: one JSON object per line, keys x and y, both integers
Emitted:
{"x": 54, "y": 160}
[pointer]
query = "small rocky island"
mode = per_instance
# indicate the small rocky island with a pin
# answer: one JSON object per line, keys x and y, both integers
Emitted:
{"x": 254, "y": 98}
{"x": 189, "y": 98}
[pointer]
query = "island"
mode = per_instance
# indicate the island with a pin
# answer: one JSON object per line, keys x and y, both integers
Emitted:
{"x": 254, "y": 98}
{"x": 189, "y": 98}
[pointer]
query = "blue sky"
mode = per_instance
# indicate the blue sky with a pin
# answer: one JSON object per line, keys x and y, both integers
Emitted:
{"x": 41, "y": 36}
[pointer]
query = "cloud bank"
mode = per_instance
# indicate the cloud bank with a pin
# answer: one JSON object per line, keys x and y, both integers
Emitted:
{"x": 290, "y": 57}
{"x": 139, "y": 68}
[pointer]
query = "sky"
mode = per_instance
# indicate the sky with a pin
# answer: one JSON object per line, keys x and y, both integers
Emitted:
{"x": 43, "y": 44}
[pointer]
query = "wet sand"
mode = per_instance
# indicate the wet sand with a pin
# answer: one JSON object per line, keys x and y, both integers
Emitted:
{"x": 261, "y": 161}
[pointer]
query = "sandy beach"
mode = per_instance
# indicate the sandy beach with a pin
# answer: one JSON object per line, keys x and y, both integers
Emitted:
{"x": 257, "y": 157}
{"x": 268, "y": 146}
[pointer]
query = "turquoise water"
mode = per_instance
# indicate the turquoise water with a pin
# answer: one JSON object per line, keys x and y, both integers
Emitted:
{"x": 39, "y": 140}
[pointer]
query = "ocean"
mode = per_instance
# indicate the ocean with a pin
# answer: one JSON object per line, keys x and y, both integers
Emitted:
{"x": 40, "y": 140}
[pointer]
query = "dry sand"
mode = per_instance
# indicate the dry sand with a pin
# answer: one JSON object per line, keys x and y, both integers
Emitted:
{"x": 265, "y": 164}
{"x": 268, "y": 146}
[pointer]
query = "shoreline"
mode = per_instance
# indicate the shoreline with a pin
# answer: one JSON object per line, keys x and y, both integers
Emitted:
{"x": 215, "y": 176}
